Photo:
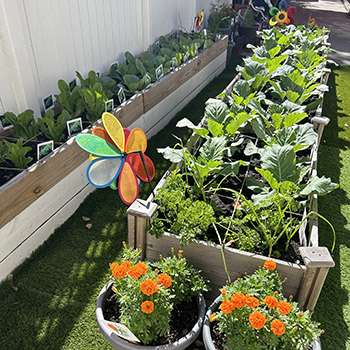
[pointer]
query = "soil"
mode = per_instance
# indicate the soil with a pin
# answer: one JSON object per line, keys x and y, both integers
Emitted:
{"x": 183, "y": 318}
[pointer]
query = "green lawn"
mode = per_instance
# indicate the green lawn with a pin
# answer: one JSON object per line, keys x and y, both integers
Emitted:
{"x": 54, "y": 306}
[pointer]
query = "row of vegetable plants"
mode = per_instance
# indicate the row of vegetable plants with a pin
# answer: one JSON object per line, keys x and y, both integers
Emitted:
{"x": 246, "y": 180}
{"x": 80, "y": 105}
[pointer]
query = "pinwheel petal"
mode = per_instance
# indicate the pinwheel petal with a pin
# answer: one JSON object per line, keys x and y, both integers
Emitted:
{"x": 114, "y": 129}
{"x": 291, "y": 10}
{"x": 126, "y": 134}
{"x": 273, "y": 21}
{"x": 274, "y": 11}
{"x": 281, "y": 17}
{"x": 97, "y": 146}
{"x": 93, "y": 157}
{"x": 291, "y": 19}
{"x": 102, "y": 172}
{"x": 283, "y": 5}
{"x": 127, "y": 184}
{"x": 136, "y": 163}
{"x": 137, "y": 141}
{"x": 101, "y": 132}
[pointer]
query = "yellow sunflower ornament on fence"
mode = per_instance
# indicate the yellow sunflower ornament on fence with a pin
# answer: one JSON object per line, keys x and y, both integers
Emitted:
{"x": 282, "y": 15}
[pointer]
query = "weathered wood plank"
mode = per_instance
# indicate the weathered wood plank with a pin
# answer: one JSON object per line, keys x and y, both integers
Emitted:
{"x": 131, "y": 110}
{"x": 238, "y": 262}
{"x": 183, "y": 73}
{"x": 29, "y": 229}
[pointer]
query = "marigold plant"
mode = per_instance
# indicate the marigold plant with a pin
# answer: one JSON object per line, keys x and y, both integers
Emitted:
{"x": 254, "y": 314}
{"x": 145, "y": 293}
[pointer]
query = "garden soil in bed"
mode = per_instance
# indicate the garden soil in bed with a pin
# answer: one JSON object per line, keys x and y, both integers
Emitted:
{"x": 183, "y": 318}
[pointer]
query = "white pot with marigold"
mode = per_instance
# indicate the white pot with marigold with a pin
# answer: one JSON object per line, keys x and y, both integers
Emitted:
{"x": 253, "y": 314}
{"x": 151, "y": 305}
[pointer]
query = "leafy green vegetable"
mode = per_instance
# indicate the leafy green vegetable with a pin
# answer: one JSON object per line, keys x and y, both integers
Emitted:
{"x": 24, "y": 124}
{"x": 17, "y": 153}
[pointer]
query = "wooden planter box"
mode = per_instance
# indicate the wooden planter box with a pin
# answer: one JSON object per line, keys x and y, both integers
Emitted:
{"x": 304, "y": 281}
{"x": 43, "y": 197}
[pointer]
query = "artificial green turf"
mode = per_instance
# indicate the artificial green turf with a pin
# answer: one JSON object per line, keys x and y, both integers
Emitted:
{"x": 54, "y": 307}
{"x": 333, "y": 307}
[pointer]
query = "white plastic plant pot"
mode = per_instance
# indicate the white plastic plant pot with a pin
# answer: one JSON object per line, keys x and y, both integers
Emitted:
{"x": 122, "y": 344}
{"x": 207, "y": 339}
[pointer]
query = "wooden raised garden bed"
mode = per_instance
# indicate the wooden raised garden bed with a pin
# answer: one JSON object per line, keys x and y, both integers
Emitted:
{"x": 304, "y": 280}
{"x": 42, "y": 198}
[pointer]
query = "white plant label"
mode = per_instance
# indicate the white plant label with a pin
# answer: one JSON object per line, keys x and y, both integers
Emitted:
{"x": 121, "y": 330}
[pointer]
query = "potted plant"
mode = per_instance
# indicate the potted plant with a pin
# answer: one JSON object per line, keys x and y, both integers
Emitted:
{"x": 220, "y": 19}
{"x": 252, "y": 313}
{"x": 152, "y": 303}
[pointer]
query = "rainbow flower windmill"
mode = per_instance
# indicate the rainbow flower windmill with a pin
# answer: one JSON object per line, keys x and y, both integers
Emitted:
{"x": 117, "y": 158}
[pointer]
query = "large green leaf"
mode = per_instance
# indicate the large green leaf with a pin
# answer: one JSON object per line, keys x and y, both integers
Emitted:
{"x": 215, "y": 128}
{"x": 132, "y": 82}
{"x": 129, "y": 57}
{"x": 268, "y": 176}
{"x": 217, "y": 111}
{"x": 183, "y": 123}
{"x": 293, "y": 118}
{"x": 242, "y": 88}
{"x": 172, "y": 154}
{"x": 213, "y": 148}
{"x": 280, "y": 161}
{"x": 319, "y": 186}
{"x": 237, "y": 123}
{"x": 231, "y": 168}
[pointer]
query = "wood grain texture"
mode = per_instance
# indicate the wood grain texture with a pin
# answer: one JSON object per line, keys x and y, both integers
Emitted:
{"x": 131, "y": 110}
{"x": 199, "y": 254}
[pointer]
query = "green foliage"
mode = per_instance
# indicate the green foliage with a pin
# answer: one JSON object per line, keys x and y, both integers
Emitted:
{"x": 243, "y": 332}
{"x": 52, "y": 129}
{"x": 3, "y": 151}
{"x": 183, "y": 215}
{"x": 17, "y": 153}
{"x": 186, "y": 280}
{"x": 24, "y": 124}
{"x": 220, "y": 17}
{"x": 70, "y": 101}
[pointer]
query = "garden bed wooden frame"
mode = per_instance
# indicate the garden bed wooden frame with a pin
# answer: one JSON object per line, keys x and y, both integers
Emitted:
{"x": 43, "y": 197}
{"x": 304, "y": 281}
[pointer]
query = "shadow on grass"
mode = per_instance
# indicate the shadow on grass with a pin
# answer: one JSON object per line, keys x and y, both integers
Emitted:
{"x": 334, "y": 296}
{"x": 54, "y": 307}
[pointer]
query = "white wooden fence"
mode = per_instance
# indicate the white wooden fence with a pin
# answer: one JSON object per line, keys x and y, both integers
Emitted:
{"x": 42, "y": 41}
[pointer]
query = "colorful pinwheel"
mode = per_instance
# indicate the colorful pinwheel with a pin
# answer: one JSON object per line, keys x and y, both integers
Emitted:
{"x": 117, "y": 153}
{"x": 282, "y": 15}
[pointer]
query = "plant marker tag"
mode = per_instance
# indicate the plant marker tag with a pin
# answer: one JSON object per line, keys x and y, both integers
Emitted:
{"x": 186, "y": 57}
{"x": 196, "y": 50}
{"x": 121, "y": 95}
{"x": 44, "y": 148}
{"x": 205, "y": 33}
{"x": 109, "y": 105}
{"x": 159, "y": 72}
{"x": 48, "y": 102}
{"x": 217, "y": 37}
{"x": 148, "y": 80}
{"x": 72, "y": 85}
{"x": 74, "y": 126}
{"x": 121, "y": 330}
{"x": 173, "y": 63}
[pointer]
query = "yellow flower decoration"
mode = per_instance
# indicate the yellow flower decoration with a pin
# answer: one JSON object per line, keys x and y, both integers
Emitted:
{"x": 279, "y": 18}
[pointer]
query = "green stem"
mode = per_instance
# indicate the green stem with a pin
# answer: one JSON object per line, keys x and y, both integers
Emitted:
{"x": 222, "y": 253}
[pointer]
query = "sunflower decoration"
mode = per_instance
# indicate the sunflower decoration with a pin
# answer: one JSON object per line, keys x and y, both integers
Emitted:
{"x": 117, "y": 158}
{"x": 199, "y": 20}
{"x": 282, "y": 15}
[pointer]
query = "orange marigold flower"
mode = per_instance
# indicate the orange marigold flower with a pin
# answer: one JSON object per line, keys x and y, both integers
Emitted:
{"x": 147, "y": 307}
{"x": 113, "y": 265}
{"x": 164, "y": 280}
{"x": 227, "y": 306}
{"x": 270, "y": 265}
{"x": 119, "y": 271}
{"x": 239, "y": 300}
{"x": 126, "y": 264}
{"x": 284, "y": 308}
{"x": 278, "y": 327}
{"x": 257, "y": 320}
{"x": 270, "y": 301}
{"x": 149, "y": 287}
{"x": 134, "y": 272}
{"x": 212, "y": 317}
{"x": 142, "y": 267}
{"x": 253, "y": 302}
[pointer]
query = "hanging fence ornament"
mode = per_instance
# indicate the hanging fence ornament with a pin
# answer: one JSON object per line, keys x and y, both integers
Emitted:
{"x": 199, "y": 20}
{"x": 117, "y": 158}
{"x": 282, "y": 15}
